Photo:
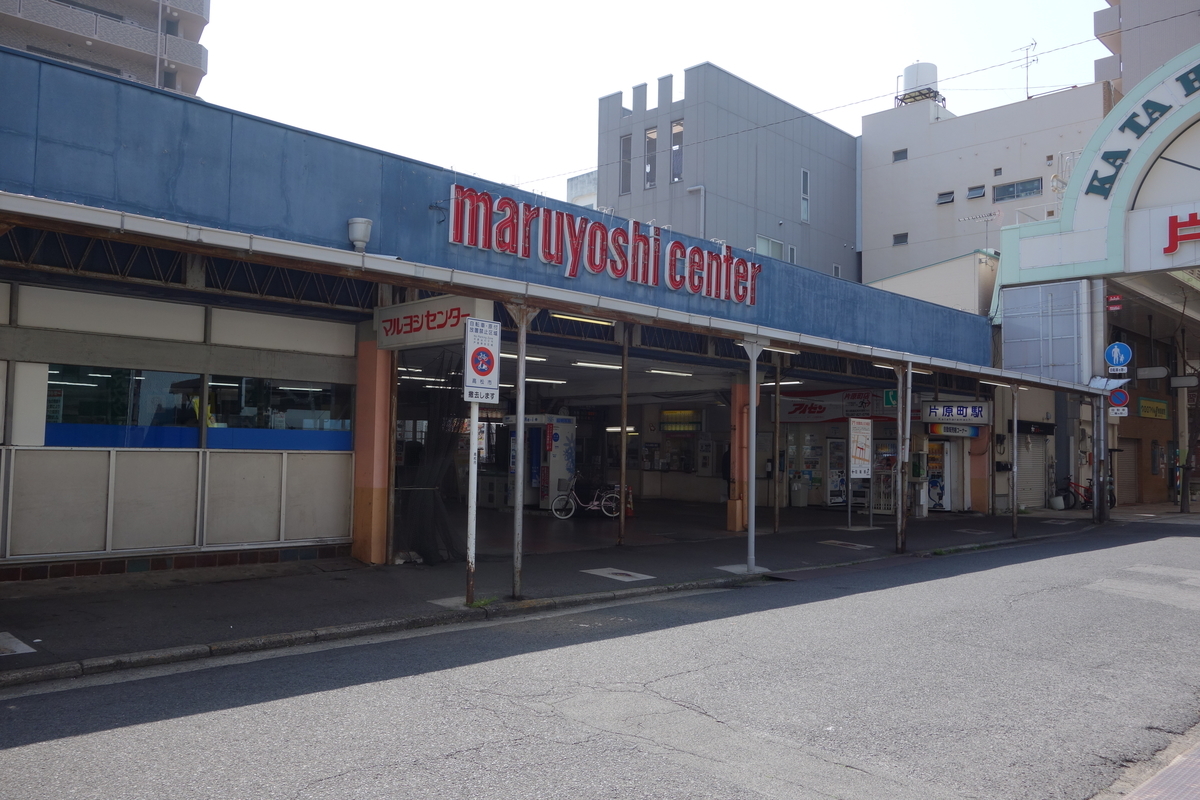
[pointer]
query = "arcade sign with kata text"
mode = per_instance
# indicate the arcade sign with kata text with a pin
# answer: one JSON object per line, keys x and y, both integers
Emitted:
{"x": 587, "y": 248}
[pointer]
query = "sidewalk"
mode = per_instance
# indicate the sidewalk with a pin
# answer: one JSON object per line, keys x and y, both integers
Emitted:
{"x": 74, "y": 626}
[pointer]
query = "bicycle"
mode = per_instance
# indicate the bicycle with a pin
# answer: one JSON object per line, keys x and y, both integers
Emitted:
{"x": 604, "y": 499}
{"x": 1083, "y": 495}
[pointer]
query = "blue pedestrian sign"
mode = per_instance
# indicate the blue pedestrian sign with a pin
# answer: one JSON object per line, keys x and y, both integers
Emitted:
{"x": 1118, "y": 354}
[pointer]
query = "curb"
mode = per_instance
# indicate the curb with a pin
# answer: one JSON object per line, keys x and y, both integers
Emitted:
{"x": 276, "y": 641}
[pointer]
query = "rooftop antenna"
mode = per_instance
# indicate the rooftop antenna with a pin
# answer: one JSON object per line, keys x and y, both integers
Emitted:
{"x": 1029, "y": 60}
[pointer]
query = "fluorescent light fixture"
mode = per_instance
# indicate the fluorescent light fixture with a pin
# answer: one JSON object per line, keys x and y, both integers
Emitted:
{"x": 507, "y": 386}
{"x": 607, "y": 322}
{"x": 993, "y": 383}
{"x": 1023, "y": 388}
{"x": 542, "y": 380}
{"x": 778, "y": 350}
{"x": 437, "y": 386}
{"x": 213, "y": 383}
{"x": 54, "y": 372}
{"x": 298, "y": 389}
{"x": 594, "y": 365}
{"x": 71, "y": 383}
{"x": 884, "y": 366}
{"x": 920, "y": 371}
{"x": 790, "y": 383}
{"x": 420, "y": 378}
{"x": 407, "y": 369}
{"x": 138, "y": 378}
{"x": 669, "y": 372}
{"x": 98, "y": 375}
{"x": 527, "y": 357}
{"x": 617, "y": 429}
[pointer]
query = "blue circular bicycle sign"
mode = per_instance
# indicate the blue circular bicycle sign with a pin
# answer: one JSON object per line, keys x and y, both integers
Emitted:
{"x": 1118, "y": 354}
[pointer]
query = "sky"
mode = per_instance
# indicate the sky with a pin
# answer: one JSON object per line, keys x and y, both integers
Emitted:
{"x": 509, "y": 92}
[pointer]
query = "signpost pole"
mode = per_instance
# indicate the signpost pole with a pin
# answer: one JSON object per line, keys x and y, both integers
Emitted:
{"x": 481, "y": 383}
{"x": 472, "y": 500}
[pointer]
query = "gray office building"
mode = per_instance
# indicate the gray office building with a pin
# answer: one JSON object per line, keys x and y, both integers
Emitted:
{"x": 734, "y": 163}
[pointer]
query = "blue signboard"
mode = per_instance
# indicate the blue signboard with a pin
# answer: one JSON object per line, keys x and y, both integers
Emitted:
{"x": 1118, "y": 354}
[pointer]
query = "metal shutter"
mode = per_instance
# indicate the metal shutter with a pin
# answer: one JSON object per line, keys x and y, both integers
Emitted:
{"x": 1031, "y": 471}
{"x": 1127, "y": 471}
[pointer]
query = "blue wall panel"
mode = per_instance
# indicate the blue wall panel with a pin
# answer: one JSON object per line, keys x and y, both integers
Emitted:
{"x": 111, "y": 143}
{"x": 18, "y": 122}
{"x": 66, "y": 434}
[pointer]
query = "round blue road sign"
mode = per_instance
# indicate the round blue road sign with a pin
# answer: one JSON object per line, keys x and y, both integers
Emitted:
{"x": 1118, "y": 354}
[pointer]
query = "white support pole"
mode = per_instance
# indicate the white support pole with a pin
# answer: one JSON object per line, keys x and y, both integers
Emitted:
{"x": 472, "y": 500}
{"x": 753, "y": 349}
{"x": 522, "y": 315}
{"x": 1014, "y": 506}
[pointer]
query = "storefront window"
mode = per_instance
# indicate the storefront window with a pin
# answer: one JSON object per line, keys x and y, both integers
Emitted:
{"x": 270, "y": 414}
{"x": 106, "y": 407}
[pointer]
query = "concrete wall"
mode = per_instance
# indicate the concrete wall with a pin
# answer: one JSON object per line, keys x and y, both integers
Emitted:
{"x": 951, "y": 154}
{"x": 747, "y": 148}
{"x": 1143, "y": 34}
{"x": 964, "y": 283}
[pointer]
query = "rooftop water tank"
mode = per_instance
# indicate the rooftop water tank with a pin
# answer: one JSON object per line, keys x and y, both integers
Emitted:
{"x": 920, "y": 83}
{"x": 921, "y": 75}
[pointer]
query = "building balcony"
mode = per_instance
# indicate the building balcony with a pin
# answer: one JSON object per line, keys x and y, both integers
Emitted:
{"x": 123, "y": 41}
{"x": 1106, "y": 23}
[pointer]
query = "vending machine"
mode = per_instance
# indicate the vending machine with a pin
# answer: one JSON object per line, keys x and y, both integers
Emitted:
{"x": 549, "y": 457}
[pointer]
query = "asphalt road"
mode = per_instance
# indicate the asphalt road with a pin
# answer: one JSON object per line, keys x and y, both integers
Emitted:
{"x": 1036, "y": 671}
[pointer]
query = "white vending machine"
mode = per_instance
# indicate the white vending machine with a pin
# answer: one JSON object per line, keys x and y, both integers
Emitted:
{"x": 549, "y": 457}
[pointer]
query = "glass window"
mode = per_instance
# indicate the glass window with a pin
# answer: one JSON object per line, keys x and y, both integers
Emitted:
{"x": 270, "y": 414}
{"x": 651, "y": 151}
{"x": 900, "y": 155}
{"x": 804, "y": 195}
{"x": 626, "y": 164}
{"x": 944, "y": 198}
{"x": 1017, "y": 190}
{"x": 676, "y": 151}
{"x": 974, "y": 192}
{"x": 768, "y": 247}
{"x": 109, "y": 407}
{"x": 899, "y": 238}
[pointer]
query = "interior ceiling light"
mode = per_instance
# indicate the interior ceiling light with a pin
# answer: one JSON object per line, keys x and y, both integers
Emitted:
{"x": 993, "y": 383}
{"x": 669, "y": 372}
{"x": 884, "y": 366}
{"x": 617, "y": 429}
{"x": 778, "y": 350}
{"x": 420, "y": 378}
{"x": 607, "y": 322}
{"x": 98, "y": 375}
{"x": 527, "y": 357}
{"x": 542, "y": 380}
{"x": 594, "y": 365}
{"x": 71, "y": 383}
{"x": 408, "y": 369}
{"x": 214, "y": 383}
{"x": 298, "y": 389}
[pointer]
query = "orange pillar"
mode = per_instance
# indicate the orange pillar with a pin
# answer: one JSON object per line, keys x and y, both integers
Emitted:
{"x": 739, "y": 450}
{"x": 373, "y": 432}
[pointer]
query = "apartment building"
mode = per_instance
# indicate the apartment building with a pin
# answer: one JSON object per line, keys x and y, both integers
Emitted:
{"x": 148, "y": 41}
